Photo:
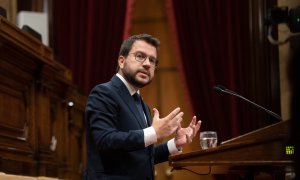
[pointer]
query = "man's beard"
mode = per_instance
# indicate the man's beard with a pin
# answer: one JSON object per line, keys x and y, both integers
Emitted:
{"x": 130, "y": 77}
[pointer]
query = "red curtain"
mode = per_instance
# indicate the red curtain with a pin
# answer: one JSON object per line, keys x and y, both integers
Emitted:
{"x": 223, "y": 42}
{"x": 87, "y": 37}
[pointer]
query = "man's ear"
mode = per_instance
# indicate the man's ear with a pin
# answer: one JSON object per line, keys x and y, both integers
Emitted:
{"x": 121, "y": 62}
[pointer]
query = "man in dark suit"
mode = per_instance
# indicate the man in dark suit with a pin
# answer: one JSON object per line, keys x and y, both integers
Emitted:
{"x": 120, "y": 131}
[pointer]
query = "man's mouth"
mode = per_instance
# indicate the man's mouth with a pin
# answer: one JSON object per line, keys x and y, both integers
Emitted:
{"x": 144, "y": 73}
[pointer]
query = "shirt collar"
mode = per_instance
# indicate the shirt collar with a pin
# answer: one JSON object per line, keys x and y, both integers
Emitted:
{"x": 130, "y": 88}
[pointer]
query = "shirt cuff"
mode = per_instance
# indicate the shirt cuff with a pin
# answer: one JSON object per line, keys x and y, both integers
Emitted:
{"x": 150, "y": 136}
{"x": 172, "y": 147}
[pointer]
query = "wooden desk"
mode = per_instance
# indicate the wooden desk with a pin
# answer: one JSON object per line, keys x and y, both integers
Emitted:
{"x": 263, "y": 150}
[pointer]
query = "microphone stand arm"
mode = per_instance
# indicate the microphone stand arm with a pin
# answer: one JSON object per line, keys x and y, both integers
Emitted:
{"x": 245, "y": 99}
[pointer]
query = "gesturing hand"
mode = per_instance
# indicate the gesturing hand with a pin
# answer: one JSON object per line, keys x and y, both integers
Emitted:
{"x": 186, "y": 135}
{"x": 167, "y": 125}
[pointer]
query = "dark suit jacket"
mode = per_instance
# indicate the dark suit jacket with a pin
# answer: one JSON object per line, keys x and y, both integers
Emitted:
{"x": 115, "y": 138}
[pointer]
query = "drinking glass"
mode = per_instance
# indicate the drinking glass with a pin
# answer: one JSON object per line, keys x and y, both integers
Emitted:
{"x": 208, "y": 139}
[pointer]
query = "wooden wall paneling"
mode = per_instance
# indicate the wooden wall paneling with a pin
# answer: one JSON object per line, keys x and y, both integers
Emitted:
{"x": 77, "y": 133}
{"x": 39, "y": 134}
{"x": 16, "y": 142}
{"x": 17, "y": 122}
{"x": 46, "y": 86}
{"x": 59, "y": 131}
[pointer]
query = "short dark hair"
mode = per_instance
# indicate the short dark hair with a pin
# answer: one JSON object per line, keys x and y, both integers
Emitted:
{"x": 127, "y": 44}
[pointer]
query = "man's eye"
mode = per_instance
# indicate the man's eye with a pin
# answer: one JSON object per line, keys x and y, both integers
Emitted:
{"x": 152, "y": 60}
{"x": 139, "y": 55}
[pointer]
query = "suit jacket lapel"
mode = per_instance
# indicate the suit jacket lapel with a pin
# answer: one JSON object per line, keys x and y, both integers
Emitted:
{"x": 128, "y": 99}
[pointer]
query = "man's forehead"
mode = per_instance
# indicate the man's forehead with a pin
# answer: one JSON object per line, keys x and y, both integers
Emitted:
{"x": 143, "y": 46}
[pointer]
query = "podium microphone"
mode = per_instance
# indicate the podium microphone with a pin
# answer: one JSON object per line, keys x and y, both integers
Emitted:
{"x": 222, "y": 89}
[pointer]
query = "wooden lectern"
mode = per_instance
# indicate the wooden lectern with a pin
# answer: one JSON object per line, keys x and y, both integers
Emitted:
{"x": 263, "y": 150}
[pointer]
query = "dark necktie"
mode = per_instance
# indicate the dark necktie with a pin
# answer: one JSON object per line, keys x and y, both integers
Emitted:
{"x": 138, "y": 103}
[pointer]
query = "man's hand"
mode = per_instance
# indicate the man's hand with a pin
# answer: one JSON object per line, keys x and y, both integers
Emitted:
{"x": 167, "y": 125}
{"x": 186, "y": 135}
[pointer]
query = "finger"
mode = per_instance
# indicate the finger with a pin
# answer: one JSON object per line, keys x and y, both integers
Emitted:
{"x": 193, "y": 122}
{"x": 179, "y": 125}
{"x": 178, "y": 129}
{"x": 188, "y": 139}
{"x": 194, "y": 131}
{"x": 156, "y": 113}
{"x": 173, "y": 113}
{"x": 178, "y": 122}
{"x": 179, "y": 117}
{"x": 198, "y": 126}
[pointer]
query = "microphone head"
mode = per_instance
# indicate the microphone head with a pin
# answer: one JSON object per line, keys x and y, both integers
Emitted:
{"x": 219, "y": 88}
